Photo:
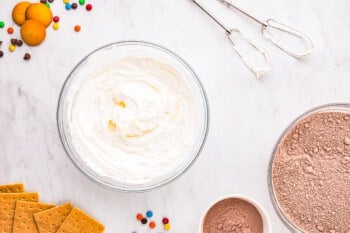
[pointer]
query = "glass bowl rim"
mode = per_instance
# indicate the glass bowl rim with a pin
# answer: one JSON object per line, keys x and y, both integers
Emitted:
{"x": 320, "y": 108}
{"x": 177, "y": 173}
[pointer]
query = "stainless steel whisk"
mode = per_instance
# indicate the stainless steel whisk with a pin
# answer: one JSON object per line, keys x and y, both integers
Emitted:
{"x": 230, "y": 32}
{"x": 273, "y": 24}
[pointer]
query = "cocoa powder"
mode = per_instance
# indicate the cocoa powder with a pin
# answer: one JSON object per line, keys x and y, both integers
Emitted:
{"x": 233, "y": 215}
{"x": 311, "y": 173}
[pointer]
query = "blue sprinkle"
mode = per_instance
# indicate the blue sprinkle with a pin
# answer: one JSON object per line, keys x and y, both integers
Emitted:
{"x": 68, "y": 6}
{"x": 149, "y": 214}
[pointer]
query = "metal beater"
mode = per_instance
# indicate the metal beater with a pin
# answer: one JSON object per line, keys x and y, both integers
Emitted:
{"x": 268, "y": 34}
{"x": 230, "y": 33}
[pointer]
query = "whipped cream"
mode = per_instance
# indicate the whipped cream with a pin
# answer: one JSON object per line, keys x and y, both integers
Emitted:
{"x": 135, "y": 120}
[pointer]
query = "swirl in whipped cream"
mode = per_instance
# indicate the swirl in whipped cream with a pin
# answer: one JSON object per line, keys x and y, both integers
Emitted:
{"x": 134, "y": 121}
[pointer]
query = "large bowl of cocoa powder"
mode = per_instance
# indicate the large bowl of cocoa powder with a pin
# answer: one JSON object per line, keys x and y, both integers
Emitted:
{"x": 310, "y": 171}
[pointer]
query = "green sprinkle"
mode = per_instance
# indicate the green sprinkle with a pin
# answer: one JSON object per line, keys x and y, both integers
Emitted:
{"x": 48, "y": 5}
{"x": 2, "y": 24}
{"x": 81, "y": 2}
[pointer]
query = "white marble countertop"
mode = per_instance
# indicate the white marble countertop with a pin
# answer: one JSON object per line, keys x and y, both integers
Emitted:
{"x": 247, "y": 116}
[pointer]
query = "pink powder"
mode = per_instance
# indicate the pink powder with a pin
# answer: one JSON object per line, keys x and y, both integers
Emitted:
{"x": 233, "y": 215}
{"x": 311, "y": 173}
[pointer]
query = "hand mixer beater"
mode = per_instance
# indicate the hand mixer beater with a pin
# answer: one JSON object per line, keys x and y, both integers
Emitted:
{"x": 267, "y": 31}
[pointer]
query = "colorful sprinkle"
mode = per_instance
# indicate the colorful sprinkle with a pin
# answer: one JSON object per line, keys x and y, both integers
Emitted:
{"x": 167, "y": 227}
{"x": 165, "y": 220}
{"x": 56, "y": 26}
{"x": 139, "y": 217}
{"x": 2, "y": 24}
{"x": 56, "y": 19}
{"x": 12, "y": 48}
{"x": 68, "y": 6}
{"x": 10, "y": 30}
{"x": 48, "y": 5}
{"x": 149, "y": 214}
{"x": 74, "y": 6}
{"x": 144, "y": 221}
{"x": 77, "y": 28}
{"x": 65, "y": 1}
{"x": 1, "y": 53}
{"x": 13, "y": 41}
{"x": 88, "y": 7}
{"x": 27, "y": 56}
{"x": 19, "y": 43}
{"x": 152, "y": 225}
{"x": 51, "y": 1}
{"x": 82, "y": 2}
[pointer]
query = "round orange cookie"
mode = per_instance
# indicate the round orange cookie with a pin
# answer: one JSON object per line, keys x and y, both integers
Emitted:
{"x": 40, "y": 12}
{"x": 19, "y": 12}
{"x": 33, "y": 32}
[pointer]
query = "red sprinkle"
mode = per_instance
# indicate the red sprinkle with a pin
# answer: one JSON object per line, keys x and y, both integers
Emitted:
{"x": 139, "y": 217}
{"x": 77, "y": 28}
{"x": 88, "y": 7}
{"x": 56, "y": 19}
{"x": 152, "y": 225}
{"x": 10, "y": 30}
{"x": 165, "y": 220}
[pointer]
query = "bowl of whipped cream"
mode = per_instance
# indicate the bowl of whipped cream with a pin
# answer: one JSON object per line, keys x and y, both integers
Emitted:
{"x": 132, "y": 116}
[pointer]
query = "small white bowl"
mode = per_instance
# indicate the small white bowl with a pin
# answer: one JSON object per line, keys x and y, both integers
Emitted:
{"x": 261, "y": 210}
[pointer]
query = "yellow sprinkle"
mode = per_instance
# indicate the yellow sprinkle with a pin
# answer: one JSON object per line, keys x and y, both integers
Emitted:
{"x": 66, "y": 1}
{"x": 120, "y": 103}
{"x": 167, "y": 227}
{"x": 56, "y": 26}
{"x": 112, "y": 126}
{"x": 12, "y": 48}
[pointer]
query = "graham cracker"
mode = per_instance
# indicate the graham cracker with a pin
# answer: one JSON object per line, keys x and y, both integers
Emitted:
{"x": 12, "y": 188}
{"x": 24, "y": 221}
{"x": 79, "y": 222}
{"x": 7, "y": 208}
{"x": 49, "y": 221}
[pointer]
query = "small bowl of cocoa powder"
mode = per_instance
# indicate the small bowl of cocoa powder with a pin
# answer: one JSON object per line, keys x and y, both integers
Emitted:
{"x": 235, "y": 213}
{"x": 310, "y": 171}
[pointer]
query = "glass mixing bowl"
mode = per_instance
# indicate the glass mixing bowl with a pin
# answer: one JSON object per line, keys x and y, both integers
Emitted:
{"x": 337, "y": 107}
{"x": 89, "y": 65}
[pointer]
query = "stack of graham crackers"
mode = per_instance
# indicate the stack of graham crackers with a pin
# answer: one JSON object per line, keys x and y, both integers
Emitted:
{"x": 21, "y": 212}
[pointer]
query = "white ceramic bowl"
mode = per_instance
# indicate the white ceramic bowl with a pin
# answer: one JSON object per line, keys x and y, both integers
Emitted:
{"x": 262, "y": 212}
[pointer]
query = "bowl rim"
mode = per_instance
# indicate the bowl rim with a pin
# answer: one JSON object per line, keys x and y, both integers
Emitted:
{"x": 203, "y": 134}
{"x": 262, "y": 211}
{"x": 336, "y": 107}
